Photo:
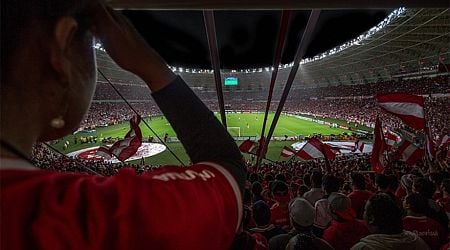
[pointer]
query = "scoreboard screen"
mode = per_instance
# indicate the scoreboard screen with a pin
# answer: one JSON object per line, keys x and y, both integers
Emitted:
{"x": 231, "y": 81}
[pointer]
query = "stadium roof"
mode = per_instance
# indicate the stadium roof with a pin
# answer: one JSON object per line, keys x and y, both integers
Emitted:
{"x": 273, "y": 4}
{"x": 416, "y": 39}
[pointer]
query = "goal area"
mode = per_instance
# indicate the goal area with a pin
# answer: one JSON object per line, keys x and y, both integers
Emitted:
{"x": 234, "y": 131}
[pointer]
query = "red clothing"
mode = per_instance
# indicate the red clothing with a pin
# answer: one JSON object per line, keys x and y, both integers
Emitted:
{"x": 171, "y": 208}
{"x": 427, "y": 229}
{"x": 343, "y": 235}
{"x": 400, "y": 193}
{"x": 444, "y": 203}
{"x": 279, "y": 216}
{"x": 260, "y": 242}
{"x": 359, "y": 199}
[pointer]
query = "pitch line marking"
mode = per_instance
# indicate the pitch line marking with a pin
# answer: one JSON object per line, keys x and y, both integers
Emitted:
{"x": 288, "y": 130}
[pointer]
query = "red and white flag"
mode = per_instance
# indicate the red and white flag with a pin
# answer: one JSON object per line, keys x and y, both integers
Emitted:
{"x": 391, "y": 139}
{"x": 359, "y": 145}
{"x": 314, "y": 148}
{"x": 379, "y": 146}
{"x": 409, "y": 153}
{"x": 443, "y": 141}
{"x": 128, "y": 146}
{"x": 409, "y": 108}
{"x": 248, "y": 146}
{"x": 287, "y": 152}
{"x": 338, "y": 147}
{"x": 104, "y": 152}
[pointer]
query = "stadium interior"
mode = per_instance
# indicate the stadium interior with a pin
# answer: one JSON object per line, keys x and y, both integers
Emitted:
{"x": 407, "y": 52}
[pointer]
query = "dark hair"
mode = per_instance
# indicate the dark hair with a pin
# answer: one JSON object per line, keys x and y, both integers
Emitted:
{"x": 393, "y": 182}
{"x": 302, "y": 190}
{"x": 358, "y": 180}
{"x": 261, "y": 213}
{"x": 280, "y": 177}
{"x": 417, "y": 203}
{"x": 19, "y": 17}
{"x": 256, "y": 188}
{"x": 307, "y": 180}
{"x": 316, "y": 179}
{"x": 382, "y": 181}
{"x": 436, "y": 177}
{"x": 253, "y": 177}
{"x": 268, "y": 178}
{"x": 279, "y": 188}
{"x": 330, "y": 183}
{"x": 387, "y": 216}
{"x": 446, "y": 185}
{"x": 424, "y": 187}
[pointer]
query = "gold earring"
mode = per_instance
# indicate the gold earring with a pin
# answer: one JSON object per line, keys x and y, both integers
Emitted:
{"x": 57, "y": 122}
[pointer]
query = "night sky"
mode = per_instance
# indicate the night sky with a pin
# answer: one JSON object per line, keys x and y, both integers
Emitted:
{"x": 246, "y": 39}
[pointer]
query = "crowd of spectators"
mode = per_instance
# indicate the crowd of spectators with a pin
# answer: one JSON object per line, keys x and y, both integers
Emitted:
{"x": 315, "y": 204}
{"x": 352, "y": 103}
{"x": 306, "y": 204}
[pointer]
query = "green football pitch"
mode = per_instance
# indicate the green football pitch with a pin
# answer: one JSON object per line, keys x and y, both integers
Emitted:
{"x": 239, "y": 124}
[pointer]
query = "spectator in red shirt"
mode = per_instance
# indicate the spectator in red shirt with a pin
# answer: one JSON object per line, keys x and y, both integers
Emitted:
{"x": 48, "y": 76}
{"x": 345, "y": 230}
{"x": 279, "y": 210}
{"x": 359, "y": 196}
{"x": 416, "y": 221}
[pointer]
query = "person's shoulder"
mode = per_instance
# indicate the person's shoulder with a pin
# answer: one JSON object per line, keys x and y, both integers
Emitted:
{"x": 361, "y": 246}
{"x": 322, "y": 244}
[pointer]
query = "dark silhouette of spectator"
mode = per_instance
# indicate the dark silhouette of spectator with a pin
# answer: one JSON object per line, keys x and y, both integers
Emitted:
{"x": 384, "y": 220}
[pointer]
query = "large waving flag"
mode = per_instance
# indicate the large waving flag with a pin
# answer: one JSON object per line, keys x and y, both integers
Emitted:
{"x": 248, "y": 146}
{"x": 287, "y": 152}
{"x": 409, "y": 108}
{"x": 391, "y": 139}
{"x": 128, "y": 146}
{"x": 378, "y": 149}
{"x": 409, "y": 153}
{"x": 314, "y": 148}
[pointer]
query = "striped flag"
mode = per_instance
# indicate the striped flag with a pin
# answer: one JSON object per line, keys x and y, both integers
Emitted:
{"x": 287, "y": 152}
{"x": 409, "y": 108}
{"x": 359, "y": 145}
{"x": 314, "y": 148}
{"x": 391, "y": 139}
{"x": 248, "y": 146}
{"x": 409, "y": 153}
{"x": 128, "y": 146}
{"x": 104, "y": 152}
